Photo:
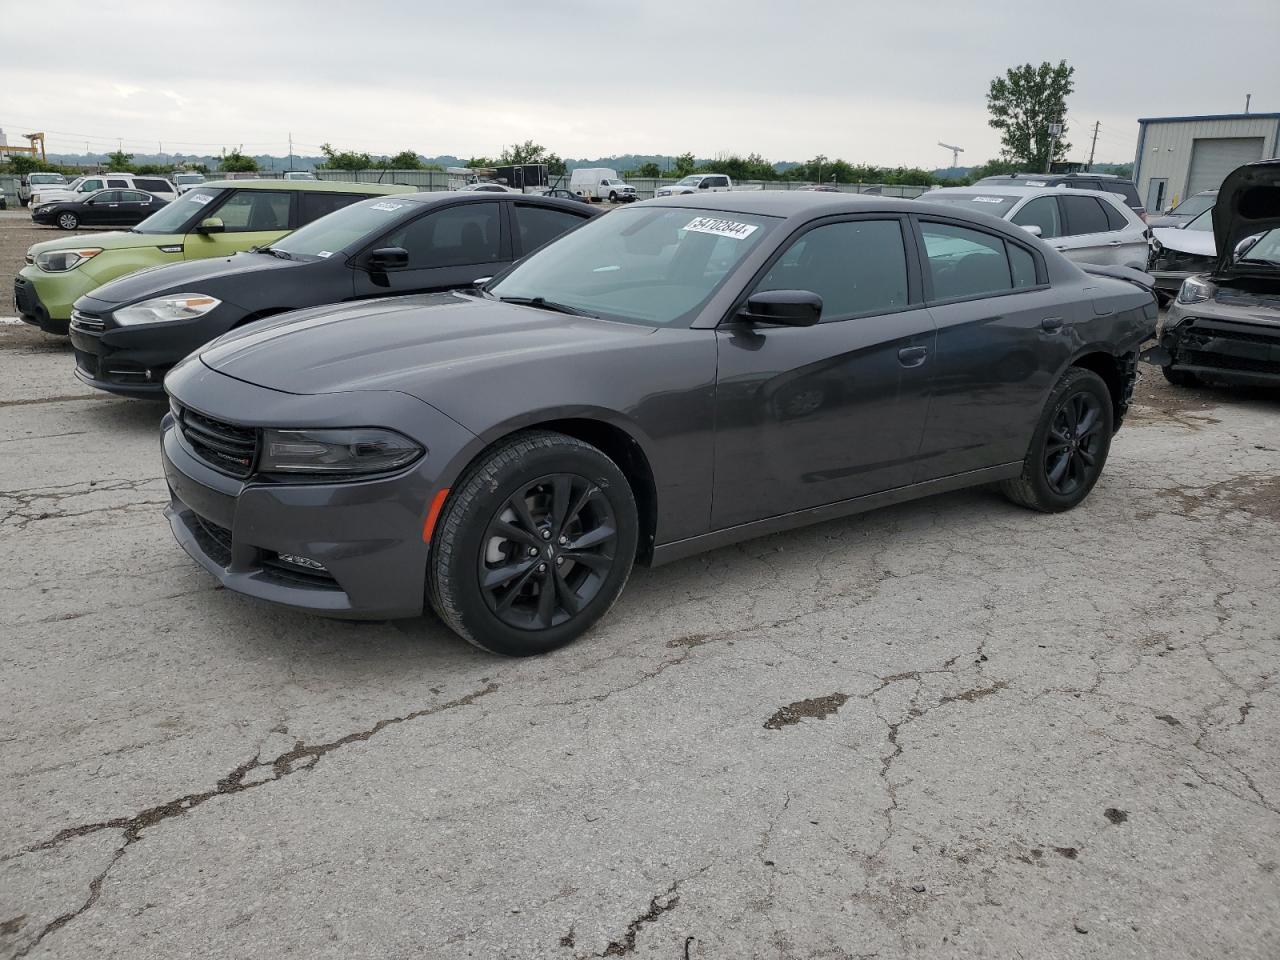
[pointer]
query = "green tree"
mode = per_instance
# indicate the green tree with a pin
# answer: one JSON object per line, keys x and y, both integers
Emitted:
{"x": 119, "y": 161}
{"x": 650, "y": 169}
{"x": 527, "y": 152}
{"x": 234, "y": 161}
{"x": 685, "y": 165}
{"x": 1023, "y": 103}
{"x": 405, "y": 160}
{"x": 480, "y": 162}
{"x": 20, "y": 164}
{"x": 992, "y": 168}
{"x": 344, "y": 159}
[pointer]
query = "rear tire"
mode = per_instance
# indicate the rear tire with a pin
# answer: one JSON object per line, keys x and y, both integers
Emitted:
{"x": 1181, "y": 378}
{"x": 1069, "y": 447}
{"x": 534, "y": 545}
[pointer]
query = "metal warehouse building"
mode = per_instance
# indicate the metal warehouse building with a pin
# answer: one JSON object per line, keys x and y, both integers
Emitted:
{"x": 1179, "y": 156}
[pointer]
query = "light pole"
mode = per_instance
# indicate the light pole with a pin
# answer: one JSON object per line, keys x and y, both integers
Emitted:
{"x": 818, "y": 159}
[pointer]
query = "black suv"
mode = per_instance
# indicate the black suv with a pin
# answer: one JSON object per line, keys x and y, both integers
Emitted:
{"x": 1076, "y": 181}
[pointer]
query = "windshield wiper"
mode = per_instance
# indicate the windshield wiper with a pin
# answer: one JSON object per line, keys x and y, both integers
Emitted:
{"x": 542, "y": 303}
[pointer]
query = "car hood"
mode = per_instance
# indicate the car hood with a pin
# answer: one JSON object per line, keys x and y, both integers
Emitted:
{"x": 1248, "y": 204}
{"x": 408, "y": 344}
{"x": 1198, "y": 242}
{"x": 1166, "y": 220}
{"x": 114, "y": 240}
{"x": 190, "y": 276}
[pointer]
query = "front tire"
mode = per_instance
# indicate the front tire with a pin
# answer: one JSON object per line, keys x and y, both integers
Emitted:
{"x": 1069, "y": 447}
{"x": 1181, "y": 378}
{"x": 613, "y": 196}
{"x": 534, "y": 545}
{"x": 68, "y": 221}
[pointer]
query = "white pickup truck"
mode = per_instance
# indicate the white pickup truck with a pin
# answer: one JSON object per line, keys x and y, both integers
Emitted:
{"x": 696, "y": 183}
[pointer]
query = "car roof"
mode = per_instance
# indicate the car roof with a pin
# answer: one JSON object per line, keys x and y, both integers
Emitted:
{"x": 428, "y": 197}
{"x": 1053, "y": 176}
{"x": 324, "y": 186}
{"x": 1017, "y": 191}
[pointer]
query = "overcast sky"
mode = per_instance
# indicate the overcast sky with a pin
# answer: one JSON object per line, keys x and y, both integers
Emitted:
{"x": 789, "y": 80}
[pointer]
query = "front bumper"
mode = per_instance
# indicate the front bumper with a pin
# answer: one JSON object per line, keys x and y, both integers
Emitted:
{"x": 31, "y": 309}
{"x": 1169, "y": 281}
{"x": 366, "y": 534}
{"x": 1225, "y": 350}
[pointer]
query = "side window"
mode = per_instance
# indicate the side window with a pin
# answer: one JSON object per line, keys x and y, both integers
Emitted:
{"x": 1115, "y": 219}
{"x": 964, "y": 262}
{"x": 117, "y": 183}
{"x": 107, "y": 196}
{"x": 856, "y": 267}
{"x": 155, "y": 186}
{"x": 540, "y": 225}
{"x": 465, "y": 234}
{"x": 1023, "y": 266}
{"x": 248, "y": 211}
{"x": 1041, "y": 212}
{"x": 89, "y": 186}
{"x": 1084, "y": 215}
{"x": 133, "y": 196}
{"x": 1083, "y": 184}
{"x": 313, "y": 204}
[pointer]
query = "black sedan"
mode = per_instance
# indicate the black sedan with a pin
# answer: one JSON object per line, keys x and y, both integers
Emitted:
{"x": 564, "y": 194}
{"x": 106, "y": 208}
{"x": 675, "y": 376}
{"x": 128, "y": 333}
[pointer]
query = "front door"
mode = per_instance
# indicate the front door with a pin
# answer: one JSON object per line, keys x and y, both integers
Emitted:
{"x": 101, "y": 208}
{"x": 1002, "y": 336}
{"x": 447, "y": 248}
{"x": 807, "y": 416}
{"x": 250, "y": 218}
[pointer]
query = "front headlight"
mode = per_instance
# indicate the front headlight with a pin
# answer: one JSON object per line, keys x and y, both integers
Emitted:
{"x": 1195, "y": 290}
{"x": 60, "y": 261}
{"x": 356, "y": 451}
{"x": 177, "y": 306}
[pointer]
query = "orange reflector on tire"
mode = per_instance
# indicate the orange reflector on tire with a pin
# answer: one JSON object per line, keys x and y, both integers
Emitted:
{"x": 436, "y": 504}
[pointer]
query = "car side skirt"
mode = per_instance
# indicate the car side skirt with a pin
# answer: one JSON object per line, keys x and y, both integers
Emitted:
{"x": 679, "y": 549}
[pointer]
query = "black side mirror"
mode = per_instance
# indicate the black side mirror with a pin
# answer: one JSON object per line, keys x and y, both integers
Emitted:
{"x": 791, "y": 308}
{"x": 388, "y": 258}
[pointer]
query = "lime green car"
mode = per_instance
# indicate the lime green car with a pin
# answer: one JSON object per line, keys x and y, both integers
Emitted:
{"x": 212, "y": 220}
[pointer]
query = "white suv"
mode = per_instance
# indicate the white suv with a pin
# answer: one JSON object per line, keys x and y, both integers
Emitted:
{"x": 1087, "y": 226}
{"x": 81, "y": 187}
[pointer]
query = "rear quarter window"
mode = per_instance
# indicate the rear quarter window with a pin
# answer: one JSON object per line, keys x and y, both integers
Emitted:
{"x": 315, "y": 204}
{"x": 153, "y": 186}
{"x": 1115, "y": 219}
{"x": 1125, "y": 190}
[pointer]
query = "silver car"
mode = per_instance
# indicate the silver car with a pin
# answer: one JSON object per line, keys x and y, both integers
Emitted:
{"x": 1088, "y": 226}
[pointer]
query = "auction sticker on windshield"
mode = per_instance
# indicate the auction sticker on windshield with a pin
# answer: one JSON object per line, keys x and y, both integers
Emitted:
{"x": 387, "y": 206}
{"x": 988, "y": 200}
{"x": 200, "y": 198}
{"x": 721, "y": 228}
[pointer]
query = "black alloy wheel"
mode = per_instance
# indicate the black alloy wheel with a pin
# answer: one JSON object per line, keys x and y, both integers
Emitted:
{"x": 547, "y": 551}
{"x": 534, "y": 544}
{"x": 1069, "y": 447}
{"x": 1072, "y": 450}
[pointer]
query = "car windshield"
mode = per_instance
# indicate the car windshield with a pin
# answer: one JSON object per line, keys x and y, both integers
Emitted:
{"x": 1265, "y": 250}
{"x": 689, "y": 181}
{"x": 46, "y": 178}
{"x": 993, "y": 203}
{"x": 189, "y": 178}
{"x": 172, "y": 218}
{"x": 75, "y": 183}
{"x": 336, "y": 231}
{"x": 1203, "y": 222}
{"x": 1011, "y": 182}
{"x": 1194, "y": 206}
{"x": 655, "y": 266}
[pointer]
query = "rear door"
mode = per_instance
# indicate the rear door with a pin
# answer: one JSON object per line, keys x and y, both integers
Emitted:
{"x": 135, "y": 206}
{"x": 1087, "y": 234}
{"x": 250, "y": 218}
{"x": 1002, "y": 337}
{"x": 807, "y": 416}
{"x": 448, "y": 248}
{"x": 1129, "y": 235}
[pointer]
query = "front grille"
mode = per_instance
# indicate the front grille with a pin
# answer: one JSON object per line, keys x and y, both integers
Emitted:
{"x": 1223, "y": 361}
{"x": 24, "y": 296}
{"x": 226, "y": 447}
{"x": 86, "y": 321}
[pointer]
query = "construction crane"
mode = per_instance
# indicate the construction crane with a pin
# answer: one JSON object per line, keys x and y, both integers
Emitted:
{"x": 31, "y": 138}
{"x": 955, "y": 153}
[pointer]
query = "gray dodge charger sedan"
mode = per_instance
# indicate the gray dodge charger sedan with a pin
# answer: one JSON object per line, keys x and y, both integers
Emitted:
{"x": 672, "y": 377}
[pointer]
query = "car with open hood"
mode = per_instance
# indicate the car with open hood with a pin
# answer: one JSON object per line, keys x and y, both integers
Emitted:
{"x": 1224, "y": 323}
{"x": 213, "y": 220}
{"x": 128, "y": 333}
{"x": 1180, "y": 252}
{"x": 1186, "y": 210}
{"x": 675, "y": 376}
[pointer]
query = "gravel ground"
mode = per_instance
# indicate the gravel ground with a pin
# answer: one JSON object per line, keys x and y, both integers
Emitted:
{"x": 951, "y": 728}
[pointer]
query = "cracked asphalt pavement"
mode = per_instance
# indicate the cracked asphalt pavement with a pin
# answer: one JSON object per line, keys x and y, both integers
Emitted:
{"x": 952, "y": 728}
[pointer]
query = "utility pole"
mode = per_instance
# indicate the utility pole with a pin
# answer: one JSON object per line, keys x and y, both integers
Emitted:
{"x": 819, "y": 160}
{"x": 291, "y": 150}
{"x": 1093, "y": 146}
{"x": 1055, "y": 131}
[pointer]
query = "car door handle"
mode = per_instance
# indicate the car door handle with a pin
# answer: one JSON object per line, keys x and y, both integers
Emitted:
{"x": 1051, "y": 324}
{"x": 1114, "y": 243}
{"x": 913, "y": 356}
